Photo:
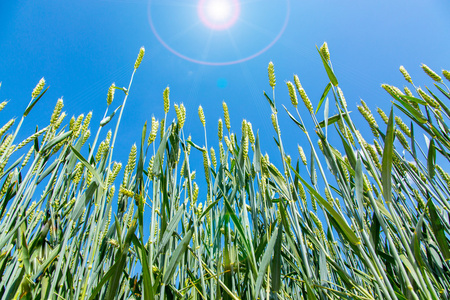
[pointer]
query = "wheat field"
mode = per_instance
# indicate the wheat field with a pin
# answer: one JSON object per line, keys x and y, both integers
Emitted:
{"x": 370, "y": 221}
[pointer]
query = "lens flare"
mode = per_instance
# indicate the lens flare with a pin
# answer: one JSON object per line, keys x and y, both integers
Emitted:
{"x": 218, "y": 14}
{"x": 180, "y": 27}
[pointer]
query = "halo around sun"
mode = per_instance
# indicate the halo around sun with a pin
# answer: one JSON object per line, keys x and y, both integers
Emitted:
{"x": 218, "y": 14}
{"x": 218, "y": 32}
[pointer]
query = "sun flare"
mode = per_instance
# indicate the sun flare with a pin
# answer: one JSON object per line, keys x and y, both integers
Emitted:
{"x": 218, "y": 14}
{"x": 218, "y": 10}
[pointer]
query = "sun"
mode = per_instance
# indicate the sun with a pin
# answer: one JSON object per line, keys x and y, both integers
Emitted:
{"x": 218, "y": 10}
{"x": 218, "y": 14}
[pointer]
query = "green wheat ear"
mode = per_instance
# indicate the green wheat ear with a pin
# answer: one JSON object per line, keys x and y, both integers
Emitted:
{"x": 3, "y": 104}
{"x": 405, "y": 74}
{"x": 110, "y": 96}
{"x": 220, "y": 129}
{"x": 402, "y": 126}
{"x": 302, "y": 155}
{"x": 166, "y": 99}
{"x": 292, "y": 94}
{"x": 383, "y": 115}
{"x": 153, "y": 131}
{"x": 407, "y": 91}
{"x": 324, "y": 51}
{"x": 271, "y": 71}
{"x": 181, "y": 114}
{"x": 367, "y": 114}
{"x": 86, "y": 122}
{"x": 433, "y": 75}
{"x": 433, "y": 103}
{"x": 201, "y": 115}
{"x": 213, "y": 157}
{"x": 274, "y": 122}
{"x": 139, "y": 58}
{"x": 6, "y": 127}
{"x": 303, "y": 95}
{"x": 306, "y": 100}
{"x": 56, "y": 111}
{"x": 38, "y": 89}
{"x": 341, "y": 98}
{"x": 251, "y": 136}
{"x": 446, "y": 74}
{"x": 226, "y": 116}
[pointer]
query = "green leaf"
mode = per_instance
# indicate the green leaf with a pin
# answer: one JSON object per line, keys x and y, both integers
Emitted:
{"x": 359, "y": 184}
{"x": 416, "y": 241}
{"x": 208, "y": 208}
{"x": 413, "y": 99}
{"x": 313, "y": 169}
{"x": 412, "y": 111}
{"x": 257, "y": 154}
{"x": 265, "y": 261}
{"x": 330, "y": 73}
{"x": 11, "y": 167}
{"x": 386, "y": 166}
{"x": 294, "y": 119}
{"x": 46, "y": 264}
{"x": 119, "y": 230}
{"x": 325, "y": 116}
{"x": 349, "y": 151}
{"x": 296, "y": 253}
{"x": 375, "y": 231}
{"x": 170, "y": 229}
{"x": 410, "y": 267}
{"x": 120, "y": 263}
{"x": 87, "y": 165}
{"x": 55, "y": 141}
{"x": 142, "y": 255}
{"x": 195, "y": 146}
{"x": 442, "y": 104}
{"x": 104, "y": 280}
{"x": 176, "y": 256}
{"x": 272, "y": 104}
{"x": 25, "y": 253}
{"x": 238, "y": 224}
{"x": 329, "y": 157}
{"x": 431, "y": 160}
{"x": 81, "y": 203}
{"x": 332, "y": 119}
{"x": 158, "y": 161}
{"x": 108, "y": 119}
{"x": 32, "y": 104}
{"x": 324, "y": 95}
{"x": 439, "y": 231}
{"x": 323, "y": 273}
{"x": 47, "y": 171}
{"x": 281, "y": 182}
{"x": 346, "y": 230}
{"x": 276, "y": 263}
{"x": 413, "y": 141}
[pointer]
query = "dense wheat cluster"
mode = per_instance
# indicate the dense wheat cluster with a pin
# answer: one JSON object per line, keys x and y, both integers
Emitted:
{"x": 370, "y": 221}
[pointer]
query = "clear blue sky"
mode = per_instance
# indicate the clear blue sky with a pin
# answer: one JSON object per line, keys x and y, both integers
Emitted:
{"x": 81, "y": 47}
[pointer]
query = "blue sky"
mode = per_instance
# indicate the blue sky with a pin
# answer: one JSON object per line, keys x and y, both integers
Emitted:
{"x": 81, "y": 47}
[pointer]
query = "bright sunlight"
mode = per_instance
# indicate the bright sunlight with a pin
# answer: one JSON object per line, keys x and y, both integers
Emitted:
{"x": 218, "y": 10}
{"x": 218, "y": 14}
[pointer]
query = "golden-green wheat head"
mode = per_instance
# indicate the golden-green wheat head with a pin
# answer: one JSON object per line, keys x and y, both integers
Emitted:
{"x": 139, "y": 58}
{"x": 433, "y": 75}
{"x": 110, "y": 96}
{"x": 38, "y": 89}
{"x": 325, "y": 51}
{"x": 271, "y": 71}
{"x": 405, "y": 74}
